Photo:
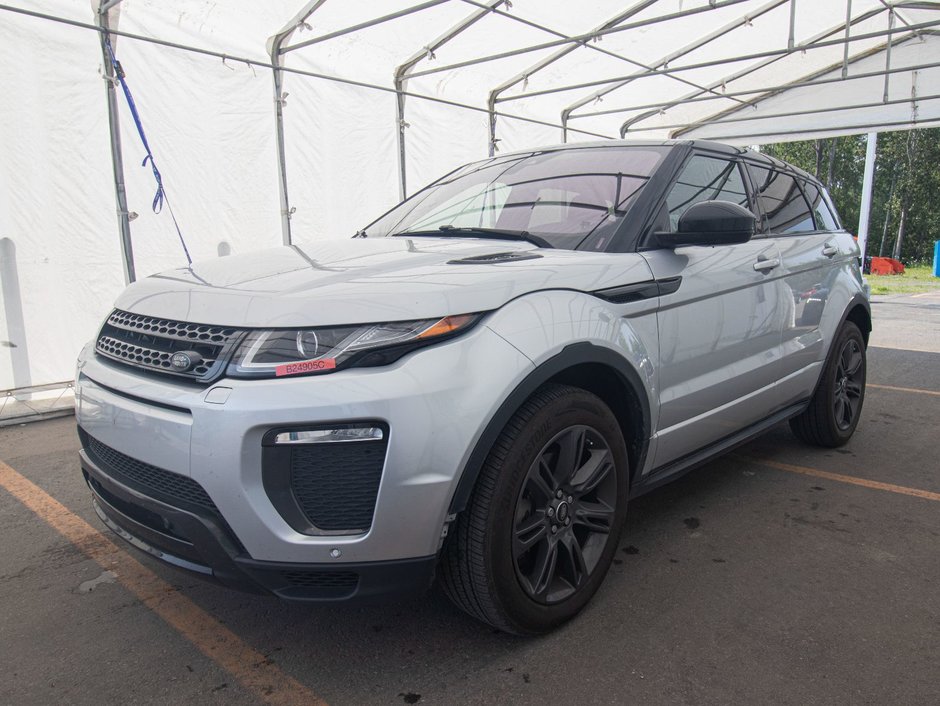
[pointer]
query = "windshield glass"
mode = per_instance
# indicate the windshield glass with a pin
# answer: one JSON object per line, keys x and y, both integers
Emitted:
{"x": 560, "y": 197}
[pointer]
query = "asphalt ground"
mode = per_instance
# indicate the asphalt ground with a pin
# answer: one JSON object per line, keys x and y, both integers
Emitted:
{"x": 778, "y": 574}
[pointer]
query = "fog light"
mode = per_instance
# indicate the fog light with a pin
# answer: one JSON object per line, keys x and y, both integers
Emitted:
{"x": 328, "y": 436}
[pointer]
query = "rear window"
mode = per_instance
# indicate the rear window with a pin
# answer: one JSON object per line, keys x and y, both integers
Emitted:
{"x": 785, "y": 209}
{"x": 832, "y": 209}
{"x": 824, "y": 218}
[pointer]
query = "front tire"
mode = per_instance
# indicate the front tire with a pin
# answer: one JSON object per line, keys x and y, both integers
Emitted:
{"x": 834, "y": 411}
{"x": 541, "y": 528}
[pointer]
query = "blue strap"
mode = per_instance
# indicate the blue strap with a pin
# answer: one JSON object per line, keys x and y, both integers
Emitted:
{"x": 159, "y": 198}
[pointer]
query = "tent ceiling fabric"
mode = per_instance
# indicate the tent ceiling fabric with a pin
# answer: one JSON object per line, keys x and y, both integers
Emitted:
{"x": 472, "y": 76}
{"x": 652, "y": 68}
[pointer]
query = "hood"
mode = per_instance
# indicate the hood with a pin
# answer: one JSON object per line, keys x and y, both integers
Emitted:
{"x": 365, "y": 280}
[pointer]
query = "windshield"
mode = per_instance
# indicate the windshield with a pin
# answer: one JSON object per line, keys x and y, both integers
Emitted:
{"x": 559, "y": 198}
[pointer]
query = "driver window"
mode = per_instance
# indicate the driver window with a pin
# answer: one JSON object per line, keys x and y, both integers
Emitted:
{"x": 705, "y": 179}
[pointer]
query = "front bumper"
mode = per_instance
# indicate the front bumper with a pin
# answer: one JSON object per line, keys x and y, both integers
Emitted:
{"x": 202, "y": 543}
{"x": 434, "y": 403}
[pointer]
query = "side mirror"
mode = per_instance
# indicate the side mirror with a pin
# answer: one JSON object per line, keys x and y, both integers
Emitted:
{"x": 711, "y": 223}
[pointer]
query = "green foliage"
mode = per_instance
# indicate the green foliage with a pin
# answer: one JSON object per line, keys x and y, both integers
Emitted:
{"x": 907, "y": 177}
{"x": 915, "y": 280}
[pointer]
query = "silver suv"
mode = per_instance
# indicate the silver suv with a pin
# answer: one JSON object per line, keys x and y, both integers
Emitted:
{"x": 476, "y": 384}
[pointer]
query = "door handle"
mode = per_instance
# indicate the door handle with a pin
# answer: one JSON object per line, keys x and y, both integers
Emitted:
{"x": 829, "y": 250}
{"x": 766, "y": 264}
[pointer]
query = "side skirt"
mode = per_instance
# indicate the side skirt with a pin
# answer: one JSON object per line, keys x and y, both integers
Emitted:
{"x": 679, "y": 467}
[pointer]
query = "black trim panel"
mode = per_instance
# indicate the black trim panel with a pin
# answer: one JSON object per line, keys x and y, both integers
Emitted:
{"x": 675, "y": 469}
{"x": 135, "y": 398}
{"x": 641, "y": 290}
{"x": 277, "y": 470}
{"x": 202, "y": 548}
{"x": 575, "y": 354}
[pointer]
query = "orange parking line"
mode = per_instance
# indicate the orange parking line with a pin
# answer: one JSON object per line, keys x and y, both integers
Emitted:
{"x": 249, "y": 667}
{"x": 903, "y": 389}
{"x": 864, "y": 482}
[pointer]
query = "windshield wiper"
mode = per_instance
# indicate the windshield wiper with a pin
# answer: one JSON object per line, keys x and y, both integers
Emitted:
{"x": 474, "y": 232}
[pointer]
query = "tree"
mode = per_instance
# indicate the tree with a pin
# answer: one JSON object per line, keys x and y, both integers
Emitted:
{"x": 907, "y": 181}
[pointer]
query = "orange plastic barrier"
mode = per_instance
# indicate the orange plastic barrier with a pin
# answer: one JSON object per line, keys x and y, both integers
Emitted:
{"x": 886, "y": 266}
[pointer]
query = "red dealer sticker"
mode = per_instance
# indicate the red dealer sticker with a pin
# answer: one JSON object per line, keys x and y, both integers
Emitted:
{"x": 305, "y": 366}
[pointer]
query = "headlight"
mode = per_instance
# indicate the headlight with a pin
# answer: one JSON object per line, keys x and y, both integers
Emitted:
{"x": 275, "y": 353}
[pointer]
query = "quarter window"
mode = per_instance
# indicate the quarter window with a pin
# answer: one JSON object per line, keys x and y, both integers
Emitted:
{"x": 824, "y": 219}
{"x": 705, "y": 179}
{"x": 785, "y": 208}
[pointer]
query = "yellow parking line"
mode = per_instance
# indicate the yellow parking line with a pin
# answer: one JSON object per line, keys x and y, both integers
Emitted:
{"x": 249, "y": 667}
{"x": 903, "y": 389}
{"x": 877, "y": 485}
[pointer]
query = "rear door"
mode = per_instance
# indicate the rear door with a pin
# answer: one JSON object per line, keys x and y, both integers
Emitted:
{"x": 800, "y": 222}
{"x": 720, "y": 331}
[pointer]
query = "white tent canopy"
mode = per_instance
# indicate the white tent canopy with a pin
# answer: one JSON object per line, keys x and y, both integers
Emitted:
{"x": 376, "y": 99}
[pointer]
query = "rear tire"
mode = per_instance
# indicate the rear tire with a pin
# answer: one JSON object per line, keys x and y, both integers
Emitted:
{"x": 540, "y": 530}
{"x": 834, "y": 411}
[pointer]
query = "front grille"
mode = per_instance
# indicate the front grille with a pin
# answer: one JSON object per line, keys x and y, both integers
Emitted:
{"x": 336, "y": 484}
{"x": 149, "y": 479}
{"x": 321, "y": 579}
{"x": 137, "y": 513}
{"x": 149, "y": 342}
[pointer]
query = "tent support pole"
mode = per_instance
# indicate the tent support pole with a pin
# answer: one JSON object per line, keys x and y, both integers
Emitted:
{"x": 663, "y": 62}
{"x": 848, "y": 32}
{"x": 275, "y": 47}
{"x": 363, "y": 25}
{"x": 402, "y": 75}
{"x": 400, "y": 132}
{"x": 792, "y": 37}
{"x": 571, "y": 45}
{"x": 888, "y": 55}
{"x": 491, "y": 109}
{"x": 712, "y": 5}
{"x": 868, "y": 181}
{"x": 117, "y": 155}
{"x": 286, "y": 210}
{"x": 808, "y": 80}
{"x": 789, "y": 114}
{"x": 755, "y": 91}
{"x": 716, "y": 62}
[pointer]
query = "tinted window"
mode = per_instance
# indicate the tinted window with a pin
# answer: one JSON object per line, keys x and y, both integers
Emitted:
{"x": 824, "y": 219}
{"x": 705, "y": 179}
{"x": 563, "y": 196}
{"x": 785, "y": 209}
{"x": 832, "y": 209}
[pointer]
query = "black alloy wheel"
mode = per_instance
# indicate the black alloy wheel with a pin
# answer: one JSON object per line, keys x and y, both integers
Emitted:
{"x": 543, "y": 523}
{"x": 847, "y": 397}
{"x": 832, "y": 414}
{"x": 564, "y": 513}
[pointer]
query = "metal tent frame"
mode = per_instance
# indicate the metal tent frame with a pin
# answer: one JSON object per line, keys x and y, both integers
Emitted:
{"x": 558, "y": 46}
{"x": 543, "y": 72}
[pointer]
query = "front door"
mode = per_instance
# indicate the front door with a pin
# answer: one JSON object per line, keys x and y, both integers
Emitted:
{"x": 720, "y": 331}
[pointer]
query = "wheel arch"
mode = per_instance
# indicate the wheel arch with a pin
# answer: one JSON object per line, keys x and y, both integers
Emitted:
{"x": 859, "y": 313}
{"x": 598, "y": 370}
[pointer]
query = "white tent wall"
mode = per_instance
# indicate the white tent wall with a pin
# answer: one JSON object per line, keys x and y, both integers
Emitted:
{"x": 653, "y": 68}
{"x": 60, "y": 259}
{"x": 211, "y": 128}
{"x": 439, "y": 139}
{"x": 342, "y": 161}
{"x": 209, "y": 125}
